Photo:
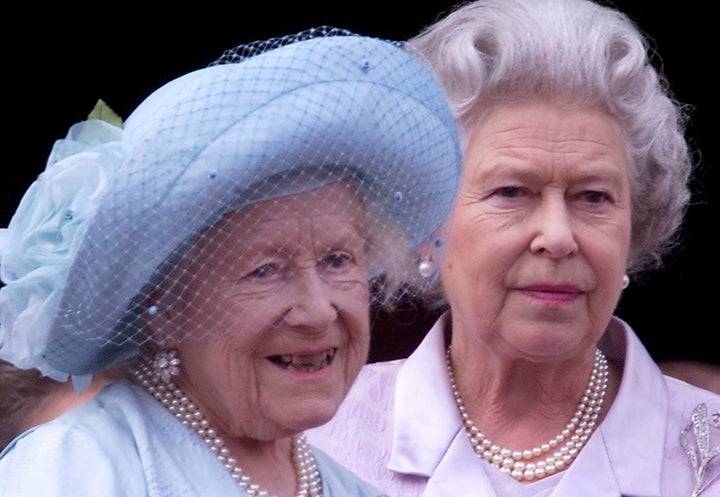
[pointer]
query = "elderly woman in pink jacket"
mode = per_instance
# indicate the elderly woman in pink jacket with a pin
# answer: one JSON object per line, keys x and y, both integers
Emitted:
{"x": 575, "y": 181}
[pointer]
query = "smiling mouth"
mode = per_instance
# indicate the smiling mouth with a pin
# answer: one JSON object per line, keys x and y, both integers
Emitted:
{"x": 304, "y": 363}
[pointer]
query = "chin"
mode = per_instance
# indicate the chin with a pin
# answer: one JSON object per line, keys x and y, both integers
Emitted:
{"x": 316, "y": 415}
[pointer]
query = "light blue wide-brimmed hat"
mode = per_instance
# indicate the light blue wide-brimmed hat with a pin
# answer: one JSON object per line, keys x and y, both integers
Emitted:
{"x": 115, "y": 204}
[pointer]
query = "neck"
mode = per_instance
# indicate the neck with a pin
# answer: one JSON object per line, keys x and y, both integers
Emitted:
{"x": 518, "y": 438}
{"x": 285, "y": 472}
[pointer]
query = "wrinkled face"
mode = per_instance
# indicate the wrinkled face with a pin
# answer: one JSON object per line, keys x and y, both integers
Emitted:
{"x": 538, "y": 245}
{"x": 280, "y": 290}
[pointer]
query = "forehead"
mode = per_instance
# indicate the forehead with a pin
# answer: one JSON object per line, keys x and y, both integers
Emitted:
{"x": 330, "y": 211}
{"x": 339, "y": 199}
{"x": 549, "y": 124}
{"x": 547, "y": 133}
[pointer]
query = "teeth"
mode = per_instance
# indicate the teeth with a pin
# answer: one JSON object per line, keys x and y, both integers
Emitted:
{"x": 305, "y": 363}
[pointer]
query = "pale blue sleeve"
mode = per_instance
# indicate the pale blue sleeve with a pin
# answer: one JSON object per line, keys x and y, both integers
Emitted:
{"x": 57, "y": 460}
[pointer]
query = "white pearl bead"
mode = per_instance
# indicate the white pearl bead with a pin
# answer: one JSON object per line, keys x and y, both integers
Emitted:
{"x": 425, "y": 268}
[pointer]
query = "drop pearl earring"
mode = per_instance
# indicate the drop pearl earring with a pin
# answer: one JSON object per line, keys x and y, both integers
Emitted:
{"x": 426, "y": 268}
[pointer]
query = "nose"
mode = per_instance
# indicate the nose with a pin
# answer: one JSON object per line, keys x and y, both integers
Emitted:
{"x": 311, "y": 303}
{"x": 553, "y": 231}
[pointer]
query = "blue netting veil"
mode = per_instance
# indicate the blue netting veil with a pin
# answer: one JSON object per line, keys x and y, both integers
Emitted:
{"x": 325, "y": 147}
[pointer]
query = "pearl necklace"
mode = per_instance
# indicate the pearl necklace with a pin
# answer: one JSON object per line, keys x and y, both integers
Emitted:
{"x": 531, "y": 464}
{"x": 175, "y": 400}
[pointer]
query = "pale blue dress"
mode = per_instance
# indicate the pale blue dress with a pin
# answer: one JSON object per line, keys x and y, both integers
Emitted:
{"x": 125, "y": 443}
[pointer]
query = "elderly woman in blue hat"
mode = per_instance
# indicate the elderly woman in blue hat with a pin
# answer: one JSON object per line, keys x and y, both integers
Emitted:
{"x": 223, "y": 247}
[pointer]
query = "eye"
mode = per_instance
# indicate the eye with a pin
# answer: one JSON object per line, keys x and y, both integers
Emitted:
{"x": 595, "y": 197}
{"x": 264, "y": 271}
{"x": 509, "y": 191}
{"x": 336, "y": 260}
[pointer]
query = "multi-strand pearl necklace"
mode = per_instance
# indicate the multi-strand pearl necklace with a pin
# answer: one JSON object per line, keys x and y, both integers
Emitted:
{"x": 175, "y": 400}
{"x": 531, "y": 464}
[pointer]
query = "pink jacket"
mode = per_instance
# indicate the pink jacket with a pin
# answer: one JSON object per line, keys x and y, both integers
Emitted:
{"x": 400, "y": 429}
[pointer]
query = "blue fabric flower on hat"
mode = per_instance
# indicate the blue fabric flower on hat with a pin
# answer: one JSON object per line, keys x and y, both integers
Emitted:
{"x": 41, "y": 241}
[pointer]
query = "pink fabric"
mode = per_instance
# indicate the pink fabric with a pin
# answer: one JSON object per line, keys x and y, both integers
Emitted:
{"x": 399, "y": 428}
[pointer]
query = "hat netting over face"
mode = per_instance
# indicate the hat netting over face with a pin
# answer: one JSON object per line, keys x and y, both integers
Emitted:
{"x": 118, "y": 209}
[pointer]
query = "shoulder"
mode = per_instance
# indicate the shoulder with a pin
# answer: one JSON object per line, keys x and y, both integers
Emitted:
{"x": 686, "y": 402}
{"x": 693, "y": 433}
{"x": 377, "y": 378}
{"x": 371, "y": 396}
{"x": 361, "y": 431}
{"x": 92, "y": 449}
{"x": 684, "y": 397}
{"x": 72, "y": 459}
{"x": 97, "y": 424}
{"x": 702, "y": 374}
{"x": 340, "y": 481}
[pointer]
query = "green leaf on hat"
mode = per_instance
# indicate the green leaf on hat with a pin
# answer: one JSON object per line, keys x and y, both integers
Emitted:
{"x": 103, "y": 112}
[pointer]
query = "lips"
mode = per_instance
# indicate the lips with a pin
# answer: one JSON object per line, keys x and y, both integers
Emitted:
{"x": 553, "y": 294}
{"x": 549, "y": 288}
{"x": 307, "y": 363}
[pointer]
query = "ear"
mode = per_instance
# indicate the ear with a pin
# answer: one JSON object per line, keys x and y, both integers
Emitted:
{"x": 425, "y": 250}
{"x": 432, "y": 249}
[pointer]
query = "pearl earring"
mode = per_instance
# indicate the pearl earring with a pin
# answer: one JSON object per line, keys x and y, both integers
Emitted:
{"x": 625, "y": 281}
{"x": 426, "y": 268}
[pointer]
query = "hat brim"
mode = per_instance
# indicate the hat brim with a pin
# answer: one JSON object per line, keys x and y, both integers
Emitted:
{"x": 390, "y": 125}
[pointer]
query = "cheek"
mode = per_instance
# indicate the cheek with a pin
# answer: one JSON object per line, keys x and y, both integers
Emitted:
{"x": 476, "y": 232}
{"x": 240, "y": 313}
{"x": 203, "y": 363}
{"x": 218, "y": 351}
{"x": 606, "y": 251}
{"x": 461, "y": 259}
{"x": 354, "y": 312}
{"x": 479, "y": 255}
{"x": 608, "y": 262}
{"x": 222, "y": 376}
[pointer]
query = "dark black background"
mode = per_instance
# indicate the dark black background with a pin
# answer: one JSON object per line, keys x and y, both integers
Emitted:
{"x": 59, "y": 59}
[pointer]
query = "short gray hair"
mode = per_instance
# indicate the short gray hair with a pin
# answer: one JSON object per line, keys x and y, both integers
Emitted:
{"x": 491, "y": 51}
